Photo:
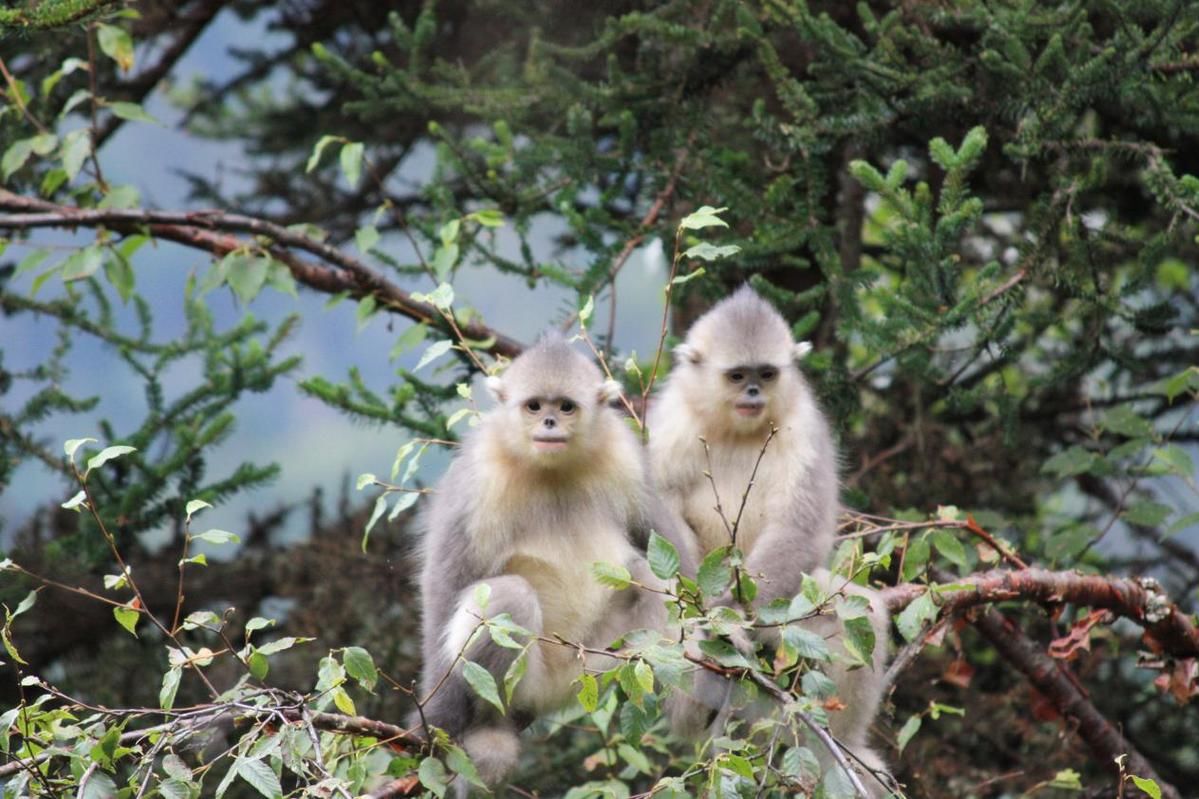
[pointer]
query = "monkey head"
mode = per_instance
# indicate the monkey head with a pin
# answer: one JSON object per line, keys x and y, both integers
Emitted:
{"x": 738, "y": 367}
{"x": 551, "y": 398}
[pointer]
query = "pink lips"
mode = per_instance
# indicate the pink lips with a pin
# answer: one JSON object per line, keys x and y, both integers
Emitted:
{"x": 749, "y": 410}
{"x": 549, "y": 446}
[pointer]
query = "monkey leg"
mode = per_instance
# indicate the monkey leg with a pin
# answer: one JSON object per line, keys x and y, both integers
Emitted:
{"x": 489, "y": 738}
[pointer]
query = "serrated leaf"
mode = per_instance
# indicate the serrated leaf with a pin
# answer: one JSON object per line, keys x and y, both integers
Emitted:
{"x": 261, "y": 776}
{"x": 82, "y": 263}
{"x": 588, "y": 692}
{"x": 611, "y": 575}
{"x": 195, "y": 506}
{"x": 176, "y": 789}
{"x": 715, "y": 573}
{"x": 705, "y": 216}
{"x": 245, "y": 274}
{"x": 859, "y": 640}
{"x": 433, "y": 352}
{"x": 98, "y": 786}
{"x": 908, "y": 730}
{"x": 1147, "y": 514}
{"x": 432, "y": 775}
{"x": 170, "y": 687}
{"x": 127, "y": 618}
{"x": 116, "y": 44}
{"x": 217, "y": 537}
{"x": 132, "y": 112}
{"x": 1147, "y": 786}
{"x": 482, "y": 683}
{"x": 321, "y": 144}
{"x": 805, "y": 643}
{"x": 107, "y": 454}
{"x": 711, "y": 252}
{"x": 460, "y": 764}
{"x": 911, "y": 620}
{"x": 361, "y": 666}
{"x": 351, "y": 162}
{"x": 662, "y": 556}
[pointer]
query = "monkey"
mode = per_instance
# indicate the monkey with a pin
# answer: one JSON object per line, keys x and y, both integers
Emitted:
{"x": 740, "y": 447}
{"x": 550, "y": 481}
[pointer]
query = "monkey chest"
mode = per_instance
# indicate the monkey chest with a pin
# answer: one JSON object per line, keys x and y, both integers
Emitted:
{"x": 558, "y": 567}
{"x": 714, "y": 508}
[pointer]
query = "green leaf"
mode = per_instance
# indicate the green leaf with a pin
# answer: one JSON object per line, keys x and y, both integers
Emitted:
{"x": 119, "y": 272}
{"x": 407, "y": 340}
{"x": 259, "y": 665}
{"x": 177, "y": 789}
{"x": 343, "y": 702}
{"x": 1126, "y": 422}
{"x": 170, "y": 686}
{"x": 82, "y": 263}
{"x": 710, "y": 252}
{"x": 662, "y": 556}
{"x": 107, "y": 454}
{"x": 132, "y": 112}
{"x": 365, "y": 238}
{"x": 805, "y": 643}
{"x": 460, "y": 764}
{"x": 321, "y": 144}
{"x": 76, "y": 147}
{"x": 908, "y": 730}
{"x": 611, "y": 575}
{"x": 644, "y": 673}
{"x": 351, "y": 162}
{"x": 715, "y": 573}
{"x": 444, "y": 259}
{"x": 361, "y": 666}
{"x": 949, "y": 546}
{"x": 679, "y": 280}
{"x": 98, "y": 786}
{"x": 488, "y": 217}
{"x": 859, "y": 640}
{"x": 380, "y": 507}
{"x": 261, "y": 776}
{"x": 433, "y": 776}
{"x": 588, "y": 692}
{"x": 433, "y": 352}
{"x": 127, "y": 618}
{"x": 587, "y": 309}
{"x": 71, "y": 445}
{"x": 195, "y": 506}
{"x": 705, "y": 216}
{"x": 913, "y": 618}
{"x": 449, "y": 231}
{"x": 364, "y": 480}
{"x": 365, "y": 310}
{"x": 514, "y": 674}
{"x": 915, "y": 558}
{"x": 482, "y": 683}
{"x": 1147, "y": 514}
{"x": 1175, "y": 460}
{"x": 15, "y": 156}
{"x": 116, "y": 44}
{"x": 245, "y": 274}
{"x": 217, "y": 537}
{"x": 440, "y": 298}
{"x": 1147, "y": 786}
{"x": 1072, "y": 461}
{"x": 32, "y": 261}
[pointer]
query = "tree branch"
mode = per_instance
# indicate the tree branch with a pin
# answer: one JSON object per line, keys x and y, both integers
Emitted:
{"x": 1138, "y": 599}
{"x": 196, "y": 229}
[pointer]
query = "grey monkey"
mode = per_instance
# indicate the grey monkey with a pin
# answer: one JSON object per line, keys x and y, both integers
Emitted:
{"x": 550, "y": 481}
{"x": 735, "y": 379}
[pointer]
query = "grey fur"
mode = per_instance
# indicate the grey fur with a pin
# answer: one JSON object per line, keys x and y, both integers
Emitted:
{"x": 527, "y": 518}
{"x": 735, "y": 378}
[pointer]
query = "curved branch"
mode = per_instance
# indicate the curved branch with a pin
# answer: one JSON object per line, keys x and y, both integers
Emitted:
{"x": 1138, "y": 599}
{"x": 199, "y": 230}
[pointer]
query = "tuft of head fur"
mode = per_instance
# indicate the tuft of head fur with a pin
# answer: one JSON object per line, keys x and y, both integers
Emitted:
{"x": 742, "y": 330}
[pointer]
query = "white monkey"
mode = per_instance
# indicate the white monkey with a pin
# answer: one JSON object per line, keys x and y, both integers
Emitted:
{"x": 550, "y": 482}
{"x": 735, "y": 380}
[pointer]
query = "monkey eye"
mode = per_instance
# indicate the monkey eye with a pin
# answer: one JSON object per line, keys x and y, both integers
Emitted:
{"x": 567, "y": 406}
{"x": 736, "y": 377}
{"x": 769, "y": 374}
{"x": 533, "y": 406}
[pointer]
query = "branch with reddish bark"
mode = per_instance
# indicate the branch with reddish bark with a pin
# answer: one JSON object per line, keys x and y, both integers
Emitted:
{"x": 1140, "y": 600}
{"x": 337, "y": 271}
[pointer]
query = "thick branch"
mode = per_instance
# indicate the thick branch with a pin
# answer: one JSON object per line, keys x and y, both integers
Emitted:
{"x": 1140, "y": 600}
{"x": 197, "y": 229}
{"x": 1048, "y": 677}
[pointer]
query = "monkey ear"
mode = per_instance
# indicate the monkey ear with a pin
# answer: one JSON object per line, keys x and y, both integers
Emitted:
{"x": 495, "y": 386}
{"x": 801, "y": 349}
{"x": 685, "y": 352}
{"x": 609, "y": 391}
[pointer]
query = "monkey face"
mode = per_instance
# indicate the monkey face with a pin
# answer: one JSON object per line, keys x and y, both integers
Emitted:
{"x": 550, "y": 423}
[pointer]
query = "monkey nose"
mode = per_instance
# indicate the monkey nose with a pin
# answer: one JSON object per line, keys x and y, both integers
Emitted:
{"x": 550, "y": 423}
{"x": 753, "y": 391}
